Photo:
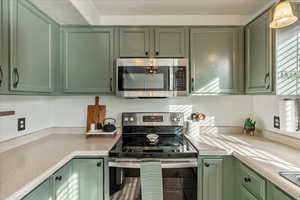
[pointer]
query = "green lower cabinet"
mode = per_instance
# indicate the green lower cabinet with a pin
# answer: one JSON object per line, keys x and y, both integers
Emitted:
{"x": 212, "y": 179}
{"x": 274, "y": 193}
{"x": 42, "y": 192}
{"x": 253, "y": 182}
{"x": 87, "y": 55}
{"x": 216, "y": 60}
{"x": 245, "y": 195}
{"x": 63, "y": 183}
{"x": 32, "y": 56}
{"x": 88, "y": 175}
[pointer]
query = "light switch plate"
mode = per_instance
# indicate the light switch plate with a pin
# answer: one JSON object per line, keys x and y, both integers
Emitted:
{"x": 21, "y": 124}
{"x": 277, "y": 122}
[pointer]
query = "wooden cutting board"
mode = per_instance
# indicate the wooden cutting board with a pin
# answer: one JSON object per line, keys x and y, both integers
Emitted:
{"x": 95, "y": 114}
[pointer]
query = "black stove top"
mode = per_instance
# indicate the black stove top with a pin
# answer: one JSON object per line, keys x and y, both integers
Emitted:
{"x": 167, "y": 146}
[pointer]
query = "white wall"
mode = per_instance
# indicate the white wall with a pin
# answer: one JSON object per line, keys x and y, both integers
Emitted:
{"x": 37, "y": 111}
{"x": 224, "y": 110}
{"x": 70, "y": 111}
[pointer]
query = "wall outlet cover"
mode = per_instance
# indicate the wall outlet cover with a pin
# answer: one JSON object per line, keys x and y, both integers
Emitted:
{"x": 277, "y": 122}
{"x": 21, "y": 124}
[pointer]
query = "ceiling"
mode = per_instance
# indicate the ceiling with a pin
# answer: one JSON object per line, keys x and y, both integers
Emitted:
{"x": 75, "y": 11}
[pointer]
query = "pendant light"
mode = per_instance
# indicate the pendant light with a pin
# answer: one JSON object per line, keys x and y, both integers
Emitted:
{"x": 283, "y": 15}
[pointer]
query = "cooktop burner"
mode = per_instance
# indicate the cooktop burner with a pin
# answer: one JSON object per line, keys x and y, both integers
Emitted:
{"x": 168, "y": 146}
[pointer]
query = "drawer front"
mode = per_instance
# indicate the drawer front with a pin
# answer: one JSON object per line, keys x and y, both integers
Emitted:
{"x": 255, "y": 184}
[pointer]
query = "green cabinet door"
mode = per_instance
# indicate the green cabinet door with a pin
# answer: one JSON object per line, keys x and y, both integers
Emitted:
{"x": 64, "y": 183}
{"x": 245, "y": 195}
{"x": 134, "y": 42}
{"x": 32, "y": 55}
{"x": 170, "y": 42}
{"x": 88, "y": 178}
{"x": 4, "y": 46}
{"x": 212, "y": 179}
{"x": 42, "y": 192}
{"x": 87, "y": 59}
{"x": 274, "y": 193}
{"x": 216, "y": 60}
{"x": 259, "y": 55}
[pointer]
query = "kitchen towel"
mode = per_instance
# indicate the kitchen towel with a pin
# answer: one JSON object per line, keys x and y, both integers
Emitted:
{"x": 151, "y": 181}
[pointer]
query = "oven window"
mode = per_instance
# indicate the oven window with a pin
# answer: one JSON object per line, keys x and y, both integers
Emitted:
{"x": 142, "y": 78}
{"x": 179, "y": 184}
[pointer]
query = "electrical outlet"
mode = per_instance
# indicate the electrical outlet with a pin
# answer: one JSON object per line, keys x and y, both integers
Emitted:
{"x": 21, "y": 124}
{"x": 277, "y": 122}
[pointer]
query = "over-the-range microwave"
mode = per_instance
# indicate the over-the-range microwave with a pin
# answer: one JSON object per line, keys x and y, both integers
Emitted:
{"x": 152, "y": 77}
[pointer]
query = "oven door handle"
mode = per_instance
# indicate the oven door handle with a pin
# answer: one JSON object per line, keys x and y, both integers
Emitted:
{"x": 164, "y": 165}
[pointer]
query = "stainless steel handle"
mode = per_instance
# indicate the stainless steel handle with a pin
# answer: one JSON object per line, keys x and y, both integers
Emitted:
{"x": 267, "y": 81}
{"x": 1, "y": 75}
{"x": 16, "y": 83}
{"x": 110, "y": 85}
{"x": 165, "y": 165}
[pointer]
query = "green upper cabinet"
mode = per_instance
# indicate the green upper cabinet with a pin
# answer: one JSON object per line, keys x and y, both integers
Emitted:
{"x": 170, "y": 42}
{"x": 259, "y": 55}
{"x": 273, "y": 193}
{"x": 134, "y": 42}
{"x": 212, "y": 179}
{"x": 89, "y": 176}
{"x": 87, "y": 55}
{"x": 160, "y": 42}
{"x": 42, "y": 192}
{"x": 216, "y": 60}
{"x": 32, "y": 53}
{"x": 4, "y": 46}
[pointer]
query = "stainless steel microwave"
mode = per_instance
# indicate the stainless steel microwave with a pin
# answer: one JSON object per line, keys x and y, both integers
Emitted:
{"x": 152, "y": 77}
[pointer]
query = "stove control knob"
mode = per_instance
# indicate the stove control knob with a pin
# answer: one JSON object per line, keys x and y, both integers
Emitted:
{"x": 131, "y": 119}
{"x": 126, "y": 119}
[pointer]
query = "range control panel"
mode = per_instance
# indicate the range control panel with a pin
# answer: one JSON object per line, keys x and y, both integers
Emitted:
{"x": 153, "y": 119}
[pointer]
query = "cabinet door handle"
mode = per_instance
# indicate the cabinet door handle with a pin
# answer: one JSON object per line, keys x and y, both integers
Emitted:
{"x": 146, "y": 53}
{"x": 99, "y": 164}
{"x": 247, "y": 179}
{"x": 110, "y": 84}
{"x": 58, "y": 178}
{"x": 267, "y": 81}
{"x": 16, "y": 83}
{"x": 1, "y": 75}
{"x": 206, "y": 164}
{"x": 192, "y": 84}
{"x": 157, "y": 53}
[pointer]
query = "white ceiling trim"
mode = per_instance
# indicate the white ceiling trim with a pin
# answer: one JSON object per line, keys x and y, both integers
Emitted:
{"x": 214, "y": 20}
{"x": 88, "y": 10}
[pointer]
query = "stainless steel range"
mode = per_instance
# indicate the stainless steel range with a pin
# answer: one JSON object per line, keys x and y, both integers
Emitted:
{"x": 155, "y": 137}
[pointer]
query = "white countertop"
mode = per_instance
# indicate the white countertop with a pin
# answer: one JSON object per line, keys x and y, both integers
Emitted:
{"x": 266, "y": 157}
{"x": 26, "y": 166}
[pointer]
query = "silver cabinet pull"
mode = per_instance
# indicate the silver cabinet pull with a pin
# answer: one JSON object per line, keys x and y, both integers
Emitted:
{"x": 16, "y": 83}
{"x": 1, "y": 75}
{"x": 267, "y": 81}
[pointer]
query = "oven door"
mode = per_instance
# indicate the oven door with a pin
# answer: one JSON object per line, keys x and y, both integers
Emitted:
{"x": 179, "y": 178}
{"x": 144, "y": 78}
